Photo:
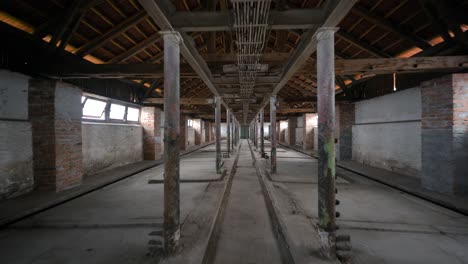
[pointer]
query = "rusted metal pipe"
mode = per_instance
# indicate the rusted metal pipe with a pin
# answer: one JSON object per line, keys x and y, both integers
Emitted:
{"x": 326, "y": 139}
{"x": 171, "y": 232}
{"x": 273, "y": 134}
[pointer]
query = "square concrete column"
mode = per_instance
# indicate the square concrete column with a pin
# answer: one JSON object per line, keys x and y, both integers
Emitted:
{"x": 310, "y": 123}
{"x": 345, "y": 117}
{"x": 444, "y": 131}
{"x": 326, "y": 123}
{"x": 152, "y": 140}
{"x": 55, "y": 111}
{"x": 292, "y": 125}
{"x": 197, "y": 127}
{"x": 172, "y": 140}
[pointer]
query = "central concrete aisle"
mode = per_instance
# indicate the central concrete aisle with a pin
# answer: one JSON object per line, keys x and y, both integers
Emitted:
{"x": 246, "y": 233}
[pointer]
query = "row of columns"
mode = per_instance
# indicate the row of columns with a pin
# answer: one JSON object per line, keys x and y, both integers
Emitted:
{"x": 326, "y": 137}
{"x": 326, "y": 169}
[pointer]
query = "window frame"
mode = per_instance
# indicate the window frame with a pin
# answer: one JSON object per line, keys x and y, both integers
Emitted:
{"x": 109, "y": 102}
{"x": 93, "y": 119}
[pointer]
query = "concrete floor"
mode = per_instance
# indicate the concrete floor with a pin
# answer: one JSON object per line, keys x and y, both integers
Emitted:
{"x": 386, "y": 225}
{"x": 110, "y": 225}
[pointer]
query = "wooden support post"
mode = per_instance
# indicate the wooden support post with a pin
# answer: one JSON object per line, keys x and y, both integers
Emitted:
{"x": 262, "y": 143}
{"x": 172, "y": 41}
{"x": 326, "y": 139}
{"x": 255, "y": 132}
{"x": 228, "y": 131}
{"x": 218, "y": 133}
{"x": 233, "y": 134}
{"x": 273, "y": 133}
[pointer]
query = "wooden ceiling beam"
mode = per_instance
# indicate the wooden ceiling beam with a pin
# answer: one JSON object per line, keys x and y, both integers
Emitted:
{"x": 396, "y": 65}
{"x": 387, "y": 25}
{"x": 136, "y": 49}
{"x": 200, "y": 21}
{"x": 111, "y": 34}
{"x": 160, "y": 13}
{"x": 183, "y": 101}
{"x": 297, "y": 110}
{"x": 362, "y": 45}
{"x": 336, "y": 11}
{"x": 342, "y": 67}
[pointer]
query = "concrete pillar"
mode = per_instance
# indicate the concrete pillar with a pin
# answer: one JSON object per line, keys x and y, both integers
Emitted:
{"x": 172, "y": 140}
{"x": 292, "y": 124}
{"x": 444, "y": 132}
{"x": 55, "y": 112}
{"x": 262, "y": 134}
{"x": 310, "y": 123}
{"x": 228, "y": 131}
{"x": 218, "y": 133}
{"x": 273, "y": 134}
{"x": 326, "y": 123}
{"x": 152, "y": 141}
{"x": 197, "y": 127}
{"x": 344, "y": 131}
{"x": 184, "y": 132}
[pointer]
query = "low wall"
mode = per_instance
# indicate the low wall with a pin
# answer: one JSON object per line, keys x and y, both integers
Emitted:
{"x": 16, "y": 156}
{"x": 387, "y": 132}
{"x": 107, "y": 146}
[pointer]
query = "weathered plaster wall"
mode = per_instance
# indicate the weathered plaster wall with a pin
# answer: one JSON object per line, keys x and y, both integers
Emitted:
{"x": 387, "y": 132}
{"x": 16, "y": 157}
{"x": 107, "y": 146}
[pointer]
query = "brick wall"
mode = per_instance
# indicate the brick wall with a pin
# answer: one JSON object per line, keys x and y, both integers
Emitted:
{"x": 55, "y": 112}
{"x": 152, "y": 140}
{"x": 444, "y": 128}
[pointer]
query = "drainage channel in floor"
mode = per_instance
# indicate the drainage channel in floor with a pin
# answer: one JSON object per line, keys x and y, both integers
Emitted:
{"x": 245, "y": 232}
